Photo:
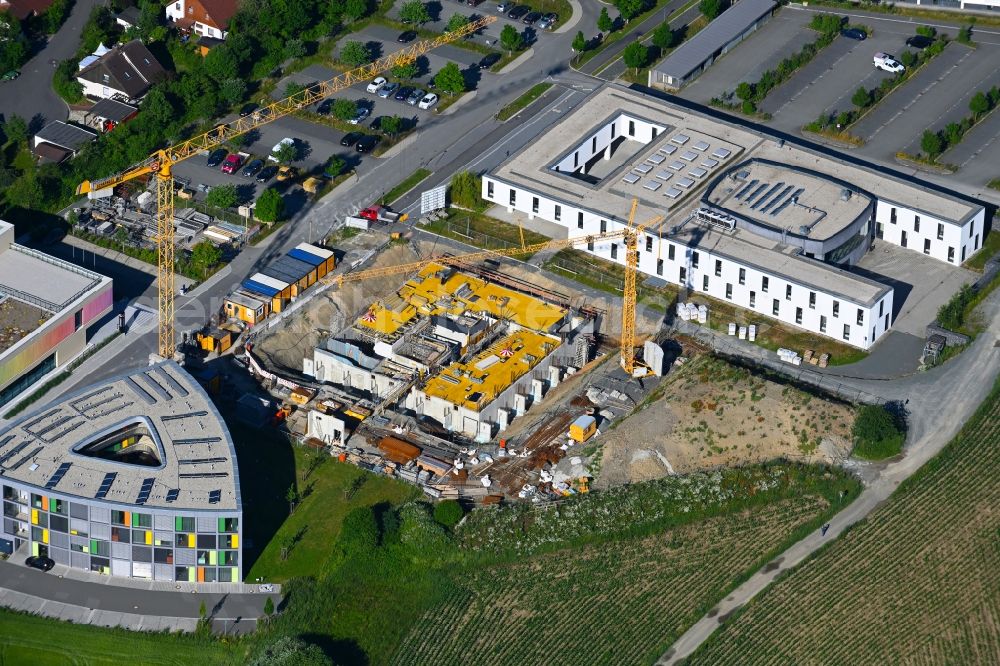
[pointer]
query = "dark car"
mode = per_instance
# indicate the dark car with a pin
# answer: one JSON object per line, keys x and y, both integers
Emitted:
{"x": 854, "y": 33}
{"x": 216, "y": 156}
{"x": 403, "y": 93}
{"x": 406, "y": 37}
{"x": 253, "y": 168}
{"x": 266, "y": 174}
{"x": 518, "y": 11}
{"x": 531, "y": 17}
{"x": 367, "y": 143}
{"x": 489, "y": 61}
{"x": 324, "y": 107}
{"x": 40, "y": 563}
{"x": 351, "y": 138}
{"x": 473, "y": 3}
{"x": 919, "y": 41}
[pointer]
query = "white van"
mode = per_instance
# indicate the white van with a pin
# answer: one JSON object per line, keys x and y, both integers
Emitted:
{"x": 287, "y": 141}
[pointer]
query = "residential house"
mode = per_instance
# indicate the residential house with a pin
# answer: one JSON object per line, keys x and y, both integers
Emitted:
{"x": 205, "y": 18}
{"x": 59, "y": 141}
{"x": 22, "y": 9}
{"x": 127, "y": 72}
{"x": 128, "y": 18}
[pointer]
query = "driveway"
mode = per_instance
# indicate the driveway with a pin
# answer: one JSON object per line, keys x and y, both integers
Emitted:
{"x": 31, "y": 94}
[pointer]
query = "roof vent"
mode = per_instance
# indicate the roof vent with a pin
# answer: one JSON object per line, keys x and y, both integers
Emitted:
{"x": 804, "y": 230}
{"x": 845, "y": 194}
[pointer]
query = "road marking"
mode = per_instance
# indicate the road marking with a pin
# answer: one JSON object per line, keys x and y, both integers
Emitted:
{"x": 959, "y": 100}
{"x": 817, "y": 79}
{"x": 911, "y": 20}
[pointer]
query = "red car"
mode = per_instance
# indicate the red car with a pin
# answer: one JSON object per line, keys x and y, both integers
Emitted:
{"x": 232, "y": 163}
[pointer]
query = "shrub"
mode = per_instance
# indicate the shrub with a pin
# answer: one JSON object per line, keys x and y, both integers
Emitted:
{"x": 748, "y": 107}
{"x": 952, "y": 314}
{"x": 712, "y": 8}
{"x": 448, "y": 513}
{"x": 604, "y": 22}
{"x": 466, "y": 190}
{"x": 861, "y": 98}
{"x": 931, "y": 143}
{"x": 270, "y": 206}
{"x": 826, "y": 23}
{"x": 876, "y": 433}
{"x": 359, "y": 532}
{"x": 926, "y": 31}
{"x": 290, "y": 651}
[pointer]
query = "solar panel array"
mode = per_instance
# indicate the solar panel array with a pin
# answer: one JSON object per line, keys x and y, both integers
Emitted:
{"x": 690, "y": 162}
{"x": 172, "y": 494}
{"x": 106, "y": 484}
{"x": 145, "y": 490}
{"x": 214, "y": 496}
{"x": 58, "y": 475}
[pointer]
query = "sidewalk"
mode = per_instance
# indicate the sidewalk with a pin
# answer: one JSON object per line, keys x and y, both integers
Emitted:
{"x": 614, "y": 52}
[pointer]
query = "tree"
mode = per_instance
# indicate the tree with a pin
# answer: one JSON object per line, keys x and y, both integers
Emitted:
{"x": 931, "y": 143}
{"x": 344, "y": 109}
{"x": 629, "y": 9}
{"x": 295, "y": 48}
{"x": 121, "y": 236}
{"x": 861, "y": 98}
{"x": 293, "y": 88}
{"x": 876, "y": 433}
{"x": 355, "y": 9}
{"x": 355, "y": 54}
{"x": 232, "y": 90}
{"x": 221, "y": 64}
{"x": 268, "y": 607}
{"x": 456, "y": 22}
{"x": 222, "y": 196}
{"x": 908, "y": 58}
{"x": 511, "y": 39}
{"x": 335, "y": 166}
{"x": 448, "y": 513}
{"x": 450, "y": 79}
{"x": 979, "y": 104}
{"x": 55, "y": 15}
{"x": 744, "y": 90}
{"x": 16, "y": 129}
{"x": 205, "y": 255}
{"x": 604, "y": 22}
{"x": 414, "y": 12}
{"x": 636, "y": 55}
{"x": 579, "y": 42}
{"x": 270, "y": 206}
{"x": 359, "y": 533}
{"x": 748, "y": 107}
{"x": 466, "y": 190}
{"x": 290, "y": 651}
{"x": 391, "y": 125}
{"x": 286, "y": 153}
{"x": 407, "y": 71}
{"x": 291, "y": 496}
{"x": 712, "y": 8}
{"x": 26, "y": 191}
{"x": 664, "y": 37}
{"x": 99, "y": 28}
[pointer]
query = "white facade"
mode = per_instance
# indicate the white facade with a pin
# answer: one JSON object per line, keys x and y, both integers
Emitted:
{"x": 328, "y": 367}
{"x": 182, "y": 9}
{"x": 917, "y": 231}
{"x": 630, "y": 127}
{"x": 836, "y": 316}
{"x": 100, "y": 90}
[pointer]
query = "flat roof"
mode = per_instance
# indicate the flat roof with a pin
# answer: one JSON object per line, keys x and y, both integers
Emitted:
{"x": 18, "y": 319}
{"x": 43, "y": 280}
{"x": 729, "y": 25}
{"x": 245, "y": 299}
{"x": 185, "y": 434}
{"x": 479, "y": 381}
{"x": 65, "y": 135}
{"x": 112, "y": 109}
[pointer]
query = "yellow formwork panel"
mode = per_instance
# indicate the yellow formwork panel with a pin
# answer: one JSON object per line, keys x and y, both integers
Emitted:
{"x": 478, "y": 382}
{"x": 457, "y": 294}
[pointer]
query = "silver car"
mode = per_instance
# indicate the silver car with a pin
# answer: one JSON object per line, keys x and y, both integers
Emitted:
{"x": 415, "y": 97}
{"x": 388, "y": 90}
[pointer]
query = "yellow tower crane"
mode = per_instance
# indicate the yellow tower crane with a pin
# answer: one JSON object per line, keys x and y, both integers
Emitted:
{"x": 629, "y": 234}
{"x": 161, "y": 163}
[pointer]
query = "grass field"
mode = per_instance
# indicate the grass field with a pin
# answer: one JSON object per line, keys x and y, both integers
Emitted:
{"x": 484, "y": 231}
{"x": 917, "y": 582}
{"x": 27, "y": 639}
{"x": 523, "y": 101}
{"x": 991, "y": 245}
{"x": 606, "y": 275}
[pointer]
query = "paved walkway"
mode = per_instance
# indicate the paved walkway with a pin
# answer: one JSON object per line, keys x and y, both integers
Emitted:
{"x": 940, "y": 402}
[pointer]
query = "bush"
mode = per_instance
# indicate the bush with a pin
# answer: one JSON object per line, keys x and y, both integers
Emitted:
{"x": 65, "y": 84}
{"x": 952, "y": 314}
{"x": 448, "y": 513}
{"x": 862, "y": 98}
{"x": 712, "y": 8}
{"x": 748, "y": 107}
{"x": 270, "y": 206}
{"x": 466, "y": 190}
{"x": 826, "y": 23}
{"x": 289, "y": 651}
{"x": 359, "y": 533}
{"x": 876, "y": 433}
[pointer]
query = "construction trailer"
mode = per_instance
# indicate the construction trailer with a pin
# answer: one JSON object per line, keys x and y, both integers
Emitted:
{"x": 246, "y": 306}
{"x": 583, "y": 428}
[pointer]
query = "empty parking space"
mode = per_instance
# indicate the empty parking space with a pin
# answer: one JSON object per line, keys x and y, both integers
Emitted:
{"x": 837, "y": 72}
{"x": 907, "y": 95}
{"x": 780, "y": 37}
{"x": 826, "y": 60}
{"x": 978, "y": 156}
{"x": 384, "y": 42}
{"x": 442, "y": 12}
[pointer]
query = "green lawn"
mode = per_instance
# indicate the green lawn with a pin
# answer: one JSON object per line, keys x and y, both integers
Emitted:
{"x": 991, "y": 245}
{"x": 411, "y": 181}
{"x": 484, "y": 231}
{"x": 28, "y": 639}
{"x": 523, "y": 101}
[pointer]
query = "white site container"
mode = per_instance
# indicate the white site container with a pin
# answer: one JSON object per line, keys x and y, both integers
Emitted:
{"x": 702, "y": 314}
{"x": 732, "y": 328}
{"x": 743, "y": 332}
{"x": 752, "y": 333}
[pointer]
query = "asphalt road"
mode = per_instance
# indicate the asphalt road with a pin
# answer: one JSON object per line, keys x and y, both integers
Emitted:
{"x": 30, "y": 95}
{"x": 940, "y": 402}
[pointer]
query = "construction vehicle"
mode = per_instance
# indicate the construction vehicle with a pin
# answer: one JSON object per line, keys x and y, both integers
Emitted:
{"x": 630, "y": 235}
{"x": 160, "y": 164}
{"x": 378, "y": 213}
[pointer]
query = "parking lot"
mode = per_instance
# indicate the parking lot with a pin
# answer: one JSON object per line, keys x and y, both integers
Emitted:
{"x": 444, "y": 10}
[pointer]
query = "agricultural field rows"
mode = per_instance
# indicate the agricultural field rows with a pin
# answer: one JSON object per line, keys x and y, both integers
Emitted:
{"x": 918, "y": 582}
{"x": 616, "y": 603}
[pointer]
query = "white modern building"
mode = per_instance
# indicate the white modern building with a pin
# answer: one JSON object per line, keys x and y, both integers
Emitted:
{"x": 731, "y": 212}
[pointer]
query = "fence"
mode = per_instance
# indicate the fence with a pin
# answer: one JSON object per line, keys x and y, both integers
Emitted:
{"x": 462, "y": 228}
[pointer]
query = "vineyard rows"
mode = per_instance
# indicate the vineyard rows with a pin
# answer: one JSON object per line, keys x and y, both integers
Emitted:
{"x": 918, "y": 582}
{"x": 616, "y": 603}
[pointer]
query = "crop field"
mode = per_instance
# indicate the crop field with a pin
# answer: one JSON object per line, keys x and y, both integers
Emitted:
{"x": 597, "y": 604}
{"x": 918, "y": 582}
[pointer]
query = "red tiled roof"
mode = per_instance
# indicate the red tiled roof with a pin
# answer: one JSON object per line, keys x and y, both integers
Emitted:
{"x": 22, "y": 9}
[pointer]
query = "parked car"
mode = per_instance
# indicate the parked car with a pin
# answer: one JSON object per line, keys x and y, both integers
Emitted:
{"x": 10, "y": 76}
{"x": 351, "y": 138}
{"x": 287, "y": 173}
{"x": 266, "y": 174}
{"x": 428, "y": 102}
{"x": 504, "y": 7}
{"x": 253, "y": 168}
{"x": 247, "y": 109}
{"x": 888, "y": 63}
{"x": 324, "y": 107}
{"x": 473, "y": 3}
{"x": 40, "y": 563}
{"x": 363, "y": 112}
{"x": 388, "y": 90}
{"x": 531, "y": 17}
{"x": 415, "y": 97}
{"x": 216, "y": 156}
{"x": 376, "y": 84}
{"x": 518, "y": 11}
{"x": 367, "y": 143}
{"x": 406, "y": 37}
{"x": 919, "y": 41}
{"x": 854, "y": 33}
{"x": 403, "y": 93}
{"x": 233, "y": 162}
{"x": 548, "y": 21}
{"x": 287, "y": 141}
{"x": 489, "y": 60}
